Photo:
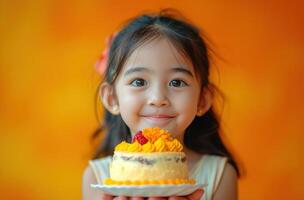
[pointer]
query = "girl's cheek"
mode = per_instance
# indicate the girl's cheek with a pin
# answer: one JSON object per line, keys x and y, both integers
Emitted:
{"x": 131, "y": 96}
{"x": 130, "y": 103}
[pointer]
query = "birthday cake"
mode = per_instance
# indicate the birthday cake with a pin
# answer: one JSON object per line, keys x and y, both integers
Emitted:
{"x": 153, "y": 157}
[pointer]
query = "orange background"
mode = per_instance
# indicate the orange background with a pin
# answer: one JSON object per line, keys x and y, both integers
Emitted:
{"x": 47, "y": 85}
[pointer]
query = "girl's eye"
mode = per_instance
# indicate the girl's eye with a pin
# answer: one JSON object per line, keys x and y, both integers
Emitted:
{"x": 139, "y": 82}
{"x": 177, "y": 83}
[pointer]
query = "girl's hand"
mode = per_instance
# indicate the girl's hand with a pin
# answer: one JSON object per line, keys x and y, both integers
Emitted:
{"x": 196, "y": 195}
{"x": 106, "y": 197}
{"x": 128, "y": 198}
{"x": 109, "y": 197}
{"x": 193, "y": 196}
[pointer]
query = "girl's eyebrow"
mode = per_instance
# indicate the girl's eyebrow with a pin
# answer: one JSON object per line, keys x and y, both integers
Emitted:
{"x": 183, "y": 70}
{"x": 135, "y": 69}
{"x": 175, "y": 69}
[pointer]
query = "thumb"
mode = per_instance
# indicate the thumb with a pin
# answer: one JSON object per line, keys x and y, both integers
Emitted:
{"x": 195, "y": 195}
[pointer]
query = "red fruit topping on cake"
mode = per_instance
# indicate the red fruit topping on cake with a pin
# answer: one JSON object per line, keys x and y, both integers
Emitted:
{"x": 140, "y": 138}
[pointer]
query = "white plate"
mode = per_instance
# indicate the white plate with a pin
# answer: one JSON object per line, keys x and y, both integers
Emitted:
{"x": 149, "y": 190}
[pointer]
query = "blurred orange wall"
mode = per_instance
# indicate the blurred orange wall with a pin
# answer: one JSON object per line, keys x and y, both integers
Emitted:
{"x": 47, "y": 86}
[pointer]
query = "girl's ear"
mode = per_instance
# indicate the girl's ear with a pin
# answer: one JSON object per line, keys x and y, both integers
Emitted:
{"x": 108, "y": 97}
{"x": 205, "y": 102}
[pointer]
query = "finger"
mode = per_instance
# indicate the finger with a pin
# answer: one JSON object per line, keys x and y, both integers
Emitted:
{"x": 157, "y": 198}
{"x": 195, "y": 195}
{"x": 107, "y": 197}
{"x": 177, "y": 198}
{"x": 137, "y": 198}
{"x": 121, "y": 198}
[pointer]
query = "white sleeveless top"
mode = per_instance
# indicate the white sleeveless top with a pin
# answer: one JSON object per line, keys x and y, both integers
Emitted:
{"x": 209, "y": 169}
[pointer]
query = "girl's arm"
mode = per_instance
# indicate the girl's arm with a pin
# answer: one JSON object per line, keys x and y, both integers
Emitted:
{"x": 227, "y": 188}
{"x": 87, "y": 192}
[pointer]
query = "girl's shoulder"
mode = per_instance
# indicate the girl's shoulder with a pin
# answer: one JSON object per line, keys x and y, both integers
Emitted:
{"x": 210, "y": 163}
{"x": 209, "y": 170}
{"x": 100, "y": 161}
{"x": 94, "y": 173}
{"x": 220, "y": 176}
{"x": 100, "y": 168}
{"x": 213, "y": 160}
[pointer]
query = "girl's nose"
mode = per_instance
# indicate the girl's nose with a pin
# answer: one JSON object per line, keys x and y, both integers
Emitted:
{"x": 158, "y": 97}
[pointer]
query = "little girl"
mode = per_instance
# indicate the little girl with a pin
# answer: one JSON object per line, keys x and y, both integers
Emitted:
{"x": 157, "y": 75}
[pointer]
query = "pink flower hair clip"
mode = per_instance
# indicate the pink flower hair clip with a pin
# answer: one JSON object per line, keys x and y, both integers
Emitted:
{"x": 101, "y": 64}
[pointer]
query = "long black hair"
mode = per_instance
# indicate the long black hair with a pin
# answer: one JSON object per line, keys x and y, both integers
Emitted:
{"x": 203, "y": 134}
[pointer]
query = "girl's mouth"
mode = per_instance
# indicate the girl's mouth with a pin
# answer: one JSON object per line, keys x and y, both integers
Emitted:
{"x": 158, "y": 120}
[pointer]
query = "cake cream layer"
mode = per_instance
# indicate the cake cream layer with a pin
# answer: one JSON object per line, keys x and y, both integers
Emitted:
{"x": 109, "y": 181}
{"x": 148, "y": 166}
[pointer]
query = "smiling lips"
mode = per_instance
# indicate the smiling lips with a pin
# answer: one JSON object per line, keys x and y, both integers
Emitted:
{"x": 159, "y": 118}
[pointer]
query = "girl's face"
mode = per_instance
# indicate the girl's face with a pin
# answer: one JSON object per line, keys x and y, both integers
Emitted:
{"x": 158, "y": 87}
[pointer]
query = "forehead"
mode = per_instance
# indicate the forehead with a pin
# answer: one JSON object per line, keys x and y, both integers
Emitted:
{"x": 158, "y": 53}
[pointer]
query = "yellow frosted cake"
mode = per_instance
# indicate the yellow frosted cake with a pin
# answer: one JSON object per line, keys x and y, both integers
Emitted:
{"x": 153, "y": 157}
